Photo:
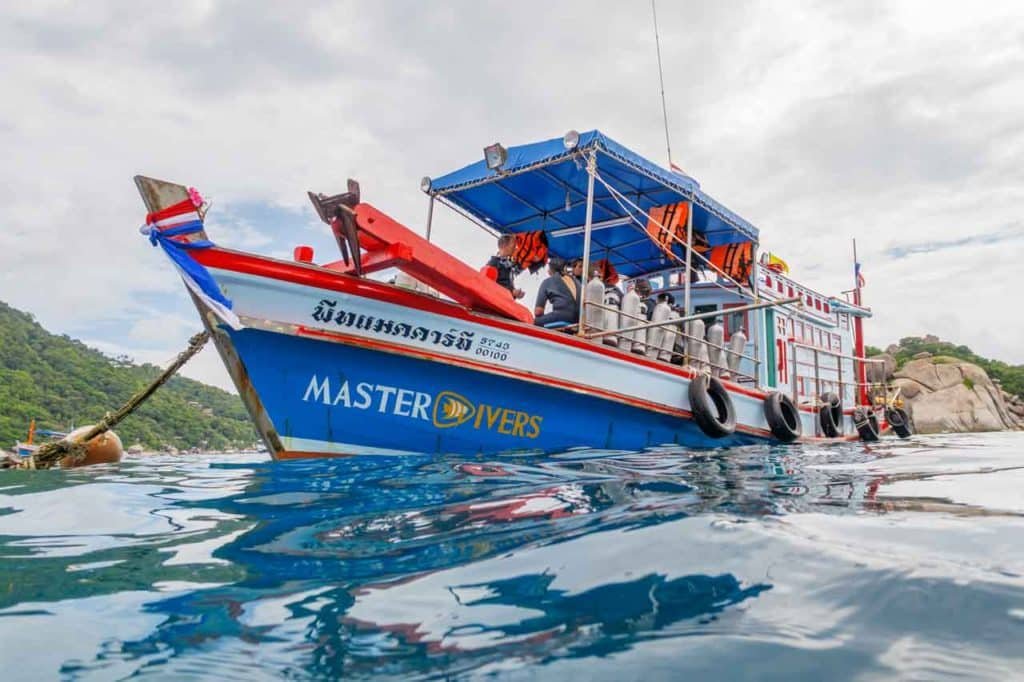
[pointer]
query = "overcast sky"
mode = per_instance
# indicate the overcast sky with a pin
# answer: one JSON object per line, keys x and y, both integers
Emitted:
{"x": 898, "y": 123}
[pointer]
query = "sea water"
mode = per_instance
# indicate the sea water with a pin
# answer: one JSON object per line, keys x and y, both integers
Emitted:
{"x": 898, "y": 560}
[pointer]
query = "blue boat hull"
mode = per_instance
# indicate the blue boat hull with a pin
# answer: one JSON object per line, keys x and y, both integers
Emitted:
{"x": 323, "y": 397}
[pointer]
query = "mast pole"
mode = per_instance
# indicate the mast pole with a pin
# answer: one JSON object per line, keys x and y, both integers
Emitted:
{"x": 587, "y": 225}
{"x": 858, "y": 331}
{"x": 661, "y": 81}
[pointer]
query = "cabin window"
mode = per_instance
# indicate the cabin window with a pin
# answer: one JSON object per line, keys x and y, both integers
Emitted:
{"x": 837, "y": 343}
{"x": 844, "y": 321}
{"x": 821, "y": 339}
{"x": 791, "y": 292}
{"x": 706, "y": 308}
{"x": 768, "y": 281}
{"x": 735, "y": 321}
{"x": 817, "y": 303}
{"x": 827, "y": 311}
{"x": 778, "y": 285}
{"x": 799, "y": 335}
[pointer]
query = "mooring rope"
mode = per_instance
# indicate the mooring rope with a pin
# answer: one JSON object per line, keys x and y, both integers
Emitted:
{"x": 52, "y": 453}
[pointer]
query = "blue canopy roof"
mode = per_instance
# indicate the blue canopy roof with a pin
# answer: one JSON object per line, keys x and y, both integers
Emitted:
{"x": 543, "y": 186}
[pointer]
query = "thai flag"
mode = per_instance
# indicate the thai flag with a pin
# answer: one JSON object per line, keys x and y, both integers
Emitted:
{"x": 859, "y": 275}
{"x": 675, "y": 169}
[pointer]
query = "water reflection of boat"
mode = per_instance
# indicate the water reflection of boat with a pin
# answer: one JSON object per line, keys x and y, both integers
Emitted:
{"x": 331, "y": 361}
{"x": 423, "y": 566}
{"x": 421, "y": 547}
{"x": 532, "y": 616}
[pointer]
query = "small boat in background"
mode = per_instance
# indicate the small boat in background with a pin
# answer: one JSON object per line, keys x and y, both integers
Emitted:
{"x": 30, "y": 446}
{"x": 709, "y": 347}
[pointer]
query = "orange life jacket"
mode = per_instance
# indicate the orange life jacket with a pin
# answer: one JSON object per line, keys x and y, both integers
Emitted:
{"x": 531, "y": 251}
{"x": 734, "y": 260}
{"x": 667, "y": 227}
{"x": 607, "y": 272}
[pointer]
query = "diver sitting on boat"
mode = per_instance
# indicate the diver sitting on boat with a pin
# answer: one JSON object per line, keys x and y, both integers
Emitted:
{"x": 576, "y": 270}
{"x": 562, "y": 291}
{"x": 502, "y": 268}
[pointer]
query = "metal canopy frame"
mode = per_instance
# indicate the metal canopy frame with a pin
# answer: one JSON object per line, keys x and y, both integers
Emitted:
{"x": 642, "y": 187}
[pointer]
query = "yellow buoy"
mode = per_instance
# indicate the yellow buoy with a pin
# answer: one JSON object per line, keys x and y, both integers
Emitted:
{"x": 102, "y": 449}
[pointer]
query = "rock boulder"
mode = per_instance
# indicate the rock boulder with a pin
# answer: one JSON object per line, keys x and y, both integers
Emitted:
{"x": 879, "y": 372}
{"x": 944, "y": 394}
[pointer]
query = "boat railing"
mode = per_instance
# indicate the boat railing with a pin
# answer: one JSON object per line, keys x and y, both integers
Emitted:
{"x": 718, "y": 369}
{"x": 823, "y": 384}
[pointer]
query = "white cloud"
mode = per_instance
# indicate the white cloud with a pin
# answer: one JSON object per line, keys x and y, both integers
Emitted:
{"x": 895, "y": 123}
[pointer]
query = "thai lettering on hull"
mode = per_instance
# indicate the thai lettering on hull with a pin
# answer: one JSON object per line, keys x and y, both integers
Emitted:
{"x": 327, "y": 312}
{"x": 444, "y": 410}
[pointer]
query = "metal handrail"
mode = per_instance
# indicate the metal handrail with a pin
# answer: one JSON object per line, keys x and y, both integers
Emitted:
{"x": 680, "y": 332}
{"x": 815, "y": 399}
{"x": 698, "y": 316}
{"x": 800, "y": 344}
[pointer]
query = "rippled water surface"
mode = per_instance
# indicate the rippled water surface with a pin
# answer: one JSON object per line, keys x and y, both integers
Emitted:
{"x": 901, "y": 560}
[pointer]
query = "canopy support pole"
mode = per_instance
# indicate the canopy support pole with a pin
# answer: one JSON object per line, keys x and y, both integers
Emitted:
{"x": 430, "y": 216}
{"x": 587, "y": 225}
{"x": 689, "y": 250}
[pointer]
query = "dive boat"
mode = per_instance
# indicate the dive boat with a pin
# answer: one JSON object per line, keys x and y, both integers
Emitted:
{"x": 331, "y": 359}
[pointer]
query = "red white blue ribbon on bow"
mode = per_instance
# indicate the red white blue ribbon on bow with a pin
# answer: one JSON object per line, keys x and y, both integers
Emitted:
{"x": 165, "y": 228}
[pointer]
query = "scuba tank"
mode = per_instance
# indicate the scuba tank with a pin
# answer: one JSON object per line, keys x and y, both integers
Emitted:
{"x": 737, "y": 344}
{"x": 640, "y": 335}
{"x": 668, "y": 342}
{"x": 593, "y": 317}
{"x": 630, "y": 311}
{"x": 656, "y": 335}
{"x": 716, "y": 351}
{"x": 612, "y": 299}
{"x": 695, "y": 347}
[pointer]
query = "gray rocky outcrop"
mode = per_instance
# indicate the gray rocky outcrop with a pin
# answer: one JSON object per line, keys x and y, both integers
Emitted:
{"x": 944, "y": 394}
{"x": 879, "y": 372}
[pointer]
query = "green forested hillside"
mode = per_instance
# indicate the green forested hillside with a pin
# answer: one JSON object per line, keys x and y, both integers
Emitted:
{"x": 1010, "y": 376}
{"x": 59, "y": 381}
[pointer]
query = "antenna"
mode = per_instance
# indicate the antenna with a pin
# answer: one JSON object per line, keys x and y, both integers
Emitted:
{"x": 661, "y": 79}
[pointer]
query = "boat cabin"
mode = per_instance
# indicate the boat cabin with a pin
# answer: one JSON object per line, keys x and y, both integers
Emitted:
{"x": 592, "y": 198}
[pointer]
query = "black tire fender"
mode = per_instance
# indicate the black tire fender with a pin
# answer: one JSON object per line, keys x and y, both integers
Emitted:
{"x": 866, "y": 422}
{"x": 899, "y": 421}
{"x": 712, "y": 406}
{"x": 783, "y": 417}
{"x": 830, "y": 415}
